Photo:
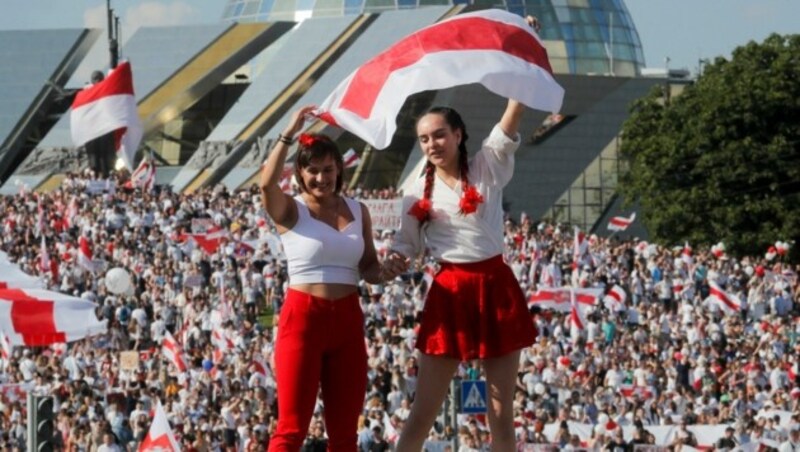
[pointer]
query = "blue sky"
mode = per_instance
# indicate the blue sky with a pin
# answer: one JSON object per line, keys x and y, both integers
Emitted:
{"x": 683, "y": 30}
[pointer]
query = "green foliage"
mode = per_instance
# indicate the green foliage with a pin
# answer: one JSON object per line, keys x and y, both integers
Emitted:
{"x": 721, "y": 161}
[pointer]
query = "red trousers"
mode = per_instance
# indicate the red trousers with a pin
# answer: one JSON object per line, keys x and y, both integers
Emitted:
{"x": 320, "y": 342}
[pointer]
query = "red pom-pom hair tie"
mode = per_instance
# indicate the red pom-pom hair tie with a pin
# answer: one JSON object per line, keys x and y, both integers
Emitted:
{"x": 470, "y": 200}
{"x": 306, "y": 140}
{"x": 421, "y": 210}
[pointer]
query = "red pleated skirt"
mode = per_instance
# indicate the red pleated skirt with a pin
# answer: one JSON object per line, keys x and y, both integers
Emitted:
{"x": 475, "y": 310}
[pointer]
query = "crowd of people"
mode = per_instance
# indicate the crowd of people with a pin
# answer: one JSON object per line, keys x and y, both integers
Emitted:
{"x": 667, "y": 357}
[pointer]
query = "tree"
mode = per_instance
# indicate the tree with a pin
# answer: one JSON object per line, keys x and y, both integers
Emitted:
{"x": 721, "y": 161}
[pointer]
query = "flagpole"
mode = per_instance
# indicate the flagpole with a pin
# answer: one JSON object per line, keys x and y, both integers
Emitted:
{"x": 113, "y": 44}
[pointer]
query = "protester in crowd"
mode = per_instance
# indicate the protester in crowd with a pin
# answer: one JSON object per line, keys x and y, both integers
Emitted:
{"x": 738, "y": 367}
{"x": 475, "y": 308}
{"x": 327, "y": 239}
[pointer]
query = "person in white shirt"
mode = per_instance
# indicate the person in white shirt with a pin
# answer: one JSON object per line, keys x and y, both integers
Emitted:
{"x": 475, "y": 308}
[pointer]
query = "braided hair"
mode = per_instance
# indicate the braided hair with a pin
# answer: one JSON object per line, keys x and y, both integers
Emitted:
{"x": 470, "y": 196}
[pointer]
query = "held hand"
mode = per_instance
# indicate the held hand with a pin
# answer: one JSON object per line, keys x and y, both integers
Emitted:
{"x": 534, "y": 23}
{"x": 393, "y": 265}
{"x": 297, "y": 120}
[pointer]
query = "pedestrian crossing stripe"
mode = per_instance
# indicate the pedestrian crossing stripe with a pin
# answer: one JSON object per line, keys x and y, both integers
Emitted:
{"x": 473, "y": 396}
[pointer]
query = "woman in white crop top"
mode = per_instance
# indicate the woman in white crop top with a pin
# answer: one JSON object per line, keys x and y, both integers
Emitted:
{"x": 475, "y": 308}
{"x": 328, "y": 243}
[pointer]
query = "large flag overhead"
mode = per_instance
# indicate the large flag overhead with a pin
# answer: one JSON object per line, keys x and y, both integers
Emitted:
{"x": 160, "y": 437}
{"x": 495, "y": 48}
{"x": 36, "y": 317}
{"x": 12, "y": 277}
{"x": 105, "y": 107}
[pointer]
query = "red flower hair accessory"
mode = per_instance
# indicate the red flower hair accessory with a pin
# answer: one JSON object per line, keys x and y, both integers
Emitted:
{"x": 421, "y": 210}
{"x": 470, "y": 200}
{"x": 306, "y": 140}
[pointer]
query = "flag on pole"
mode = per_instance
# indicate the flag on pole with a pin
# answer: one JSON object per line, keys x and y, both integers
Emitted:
{"x": 145, "y": 175}
{"x": 621, "y": 223}
{"x": 105, "y": 107}
{"x": 727, "y": 302}
{"x": 160, "y": 437}
{"x": 495, "y": 48}
{"x": 351, "y": 159}
{"x": 37, "y": 317}
{"x": 615, "y": 298}
{"x": 85, "y": 255}
{"x": 173, "y": 351}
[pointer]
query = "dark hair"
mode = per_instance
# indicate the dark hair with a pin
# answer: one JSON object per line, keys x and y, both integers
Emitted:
{"x": 315, "y": 146}
{"x": 454, "y": 120}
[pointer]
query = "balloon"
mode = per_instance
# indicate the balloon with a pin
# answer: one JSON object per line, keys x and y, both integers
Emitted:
{"x": 118, "y": 281}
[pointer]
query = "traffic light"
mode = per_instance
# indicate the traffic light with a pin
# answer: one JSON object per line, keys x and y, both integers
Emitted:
{"x": 43, "y": 423}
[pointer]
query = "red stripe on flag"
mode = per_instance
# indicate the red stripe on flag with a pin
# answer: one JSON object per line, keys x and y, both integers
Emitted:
{"x": 620, "y": 221}
{"x": 723, "y": 297}
{"x": 33, "y": 319}
{"x": 119, "y": 81}
{"x": 453, "y": 35}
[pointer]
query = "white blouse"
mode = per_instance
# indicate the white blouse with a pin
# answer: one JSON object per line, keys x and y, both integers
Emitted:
{"x": 453, "y": 237}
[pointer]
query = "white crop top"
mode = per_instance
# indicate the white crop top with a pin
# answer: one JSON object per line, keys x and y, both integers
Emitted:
{"x": 318, "y": 253}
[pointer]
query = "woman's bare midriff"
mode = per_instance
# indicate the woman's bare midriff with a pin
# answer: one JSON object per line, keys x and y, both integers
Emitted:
{"x": 326, "y": 290}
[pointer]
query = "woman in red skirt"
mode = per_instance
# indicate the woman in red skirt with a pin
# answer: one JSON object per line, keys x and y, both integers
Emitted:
{"x": 475, "y": 308}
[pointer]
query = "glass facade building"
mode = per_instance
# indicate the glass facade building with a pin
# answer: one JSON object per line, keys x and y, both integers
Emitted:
{"x": 581, "y": 36}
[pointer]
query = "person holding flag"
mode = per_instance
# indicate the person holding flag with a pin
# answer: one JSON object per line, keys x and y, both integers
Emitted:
{"x": 327, "y": 239}
{"x": 475, "y": 308}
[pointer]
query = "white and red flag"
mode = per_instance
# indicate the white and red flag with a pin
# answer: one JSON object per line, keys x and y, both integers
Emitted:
{"x": 495, "y": 48}
{"x": 160, "y": 437}
{"x": 208, "y": 241}
{"x": 582, "y": 300}
{"x": 105, "y": 107}
{"x": 561, "y": 298}
{"x": 351, "y": 159}
{"x": 727, "y": 302}
{"x": 579, "y": 246}
{"x": 145, "y": 175}
{"x": 621, "y": 223}
{"x": 12, "y": 277}
{"x": 85, "y": 254}
{"x": 615, "y": 298}
{"x": 36, "y": 317}
{"x": 173, "y": 351}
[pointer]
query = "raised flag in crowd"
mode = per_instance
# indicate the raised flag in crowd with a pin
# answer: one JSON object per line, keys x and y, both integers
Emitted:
{"x": 85, "y": 254}
{"x": 160, "y": 436}
{"x": 173, "y": 351}
{"x": 495, "y": 48}
{"x": 351, "y": 159}
{"x": 145, "y": 175}
{"x": 615, "y": 298}
{"x": 727, "y": 302}
{"x": 621, "y": 223}
{"x": 105, "y": 107}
